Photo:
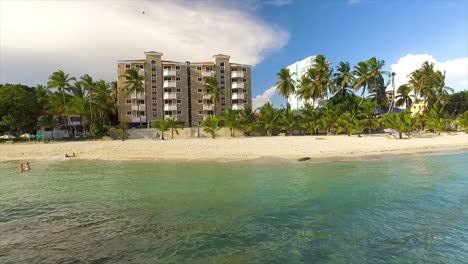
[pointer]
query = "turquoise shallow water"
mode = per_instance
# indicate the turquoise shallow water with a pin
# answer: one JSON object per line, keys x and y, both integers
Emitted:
{"x": 412, "y": 209}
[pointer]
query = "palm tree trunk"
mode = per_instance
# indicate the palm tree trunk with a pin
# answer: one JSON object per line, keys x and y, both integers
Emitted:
{"x": 138, "y": 107}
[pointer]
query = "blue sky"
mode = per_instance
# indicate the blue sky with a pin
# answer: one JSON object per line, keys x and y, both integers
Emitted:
{"x": 388, "y": 30}
{"x": 269, "y": 34}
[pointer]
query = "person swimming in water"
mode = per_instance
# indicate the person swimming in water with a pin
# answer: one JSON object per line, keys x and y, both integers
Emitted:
{"x": 27, "y": 166}
{"x": 20, "y": 168}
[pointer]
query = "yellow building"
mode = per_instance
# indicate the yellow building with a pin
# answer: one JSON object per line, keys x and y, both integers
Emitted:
{"x": 418, "y": 109}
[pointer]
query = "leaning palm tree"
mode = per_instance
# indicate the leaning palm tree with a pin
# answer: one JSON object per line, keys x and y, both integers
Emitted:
{"x": 311, "y": 88}
{"x": 462, "y": 120}
{"x": 343, "y": 78}
{"x": 162, "y": 125}
{"x": 134, "y": 84}
{"x": 362, "y": 80}
{"x": 229, "y": 118}
{"x": 212, "y": 89}
{"x": 285, "y": 85}
{"x": 88, "y": 84}
{"x": 324, "y": 72}
{"x": 211, "y": 125}
{"x": 173, "y": 126}
{"x": 403, "y": 97}
{"x": 62, "y": 82}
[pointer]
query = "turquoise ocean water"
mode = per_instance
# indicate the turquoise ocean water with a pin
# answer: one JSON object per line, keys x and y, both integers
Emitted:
{"x": 411, "y": 209}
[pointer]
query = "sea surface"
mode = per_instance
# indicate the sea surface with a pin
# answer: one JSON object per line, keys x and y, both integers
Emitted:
{"x": 409, "y": 209}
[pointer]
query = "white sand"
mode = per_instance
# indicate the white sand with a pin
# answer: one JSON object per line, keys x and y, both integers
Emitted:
{"x": 230, "y": 149}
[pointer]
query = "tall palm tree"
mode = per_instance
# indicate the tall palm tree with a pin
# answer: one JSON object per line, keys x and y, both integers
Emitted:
{"x": 88, "y": 84}
{"x": 311, "y": 88}
{"x": 229, "y": 118}
{"x": 211, "y": 125}
{"x": 362, "y": 79}
{"x": 269, "y": 118}
{"x": 343, "y": 78}
{"x": 285, "y": 85}
{"x": 377, "y": 81}
{"x": 403, "y": 97}
{"x": 134, "y": 84}
{"x": 323, "y": 73}
{"x": 62, "y": 82}
{"x": 211, "y": 88}
{"x": 288, "y": 120}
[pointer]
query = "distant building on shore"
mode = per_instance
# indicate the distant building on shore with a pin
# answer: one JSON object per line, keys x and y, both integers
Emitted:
{"x": 298, "y": 69}
{"x": 175, "y": 89}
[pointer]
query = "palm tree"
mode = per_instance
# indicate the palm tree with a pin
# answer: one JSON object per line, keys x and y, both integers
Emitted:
{"x": 211, "y": 125}
{"x": 416, "y": 83}
{"x": 323, "y": 74}
{"x": 435, "y": 119}
{"x": 402, "y": 122}
{"x": 343, "y": 78}
{"x": 329, "y": 117}
{"x": 367, "y": 114}
{"x": 288, "y": 120}
{"x": 309, "y": 120}
{"x": 134, "y": 84}
{"x": 347, "y": 123}
{"x": 285, "y": 85}
{"x": 230, "y": 119}
{"x": 212, "y": 89}
{"x": 114, "y": 94}
{"x": 403, "y": 97}
{"x": 162, "y": 125}
{"x": 248, "y": 120}
{"x": 62, "y": 82}
{"x": 173, "y": 126}
{"x": 362, "y": 78}
{"x": 269, "y": 118}
{"x": 120, "y": 130}
{"x": 88, "y": 84}
{"x": 42, "y": 95}
{"x": 311, "y": 87}
{"x": 462, "y": 120}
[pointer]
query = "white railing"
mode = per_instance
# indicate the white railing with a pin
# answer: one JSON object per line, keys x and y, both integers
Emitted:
{"x": 169, "y": 84}
{"x": 135, "y": 107}
{"x": 237, "y": 85}
{"x": 170, "y": 95}
{"x": 207, "y": 96}
{"x": 168, "y": 107}
{"x": 169, "y": 72}
{"x": 237, "y": 107}
{"x": 237, "y": 74}
{"x": 207, "y": 74}
{"x": 138, "y": 96}
{"x": 170, "y": 117}
{"x": 236, "y": 96}
{"x": 207, "y": 107}
{"x": 136, "y": 119}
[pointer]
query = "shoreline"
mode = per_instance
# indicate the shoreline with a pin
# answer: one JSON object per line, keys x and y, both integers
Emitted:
{"x": 254, "y": 150}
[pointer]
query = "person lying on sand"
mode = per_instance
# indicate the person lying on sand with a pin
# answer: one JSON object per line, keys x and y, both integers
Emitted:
{"x": 70, "y": 156}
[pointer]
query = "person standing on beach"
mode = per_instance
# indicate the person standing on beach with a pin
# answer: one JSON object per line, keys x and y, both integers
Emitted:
{"x": 20, "y": 168}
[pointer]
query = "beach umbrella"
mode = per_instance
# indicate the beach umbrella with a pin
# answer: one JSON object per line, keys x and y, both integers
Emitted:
{"x": 390, "y": 130}
{"x": 7, "y": 137}
{"x": 25, "y": 135}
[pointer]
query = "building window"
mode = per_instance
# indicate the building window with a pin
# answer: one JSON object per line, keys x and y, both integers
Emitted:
{"x": 244, "y": 80}
{"x": 177, "y": 67}
{"x": 167, "y": 67}
{"x": 244, "y": 69}
{"x": 141, "y": 101}
{"x": 139, "y": 66}
{"x": 222, "y": 71}
{"x": 154, "y": 90}
{"x": 245, "y": 101}
{"x": 223, "y": 99}
{"x": 200, "y": 101}
{"x": 198, "y": 68}
{"x": 155, "y": 101}
{"x": 129, "y": 101}
{"x": 153, "y": 81}
{"x": 223, "y": 88}
{"x": 142, "y": 113}
{"x": 200, "y": 112}
{"x": 153, "y": 77}
{"x": 129, "y": 113}
{"x": 178, "y": 90}
{"x": 199, "y": 123}
{"x": 153, "y": 62}
{"x": 222, "y": 64}
{"x": 199, "y": 79}
{"x": 127, "y": 66}
{"x": 179, "y": 112}
{"x": 222, "y": 68}
{"x": 222, "y": 81}
{"x": 199, "y": 90}
{"x": 245, "y": 90}
{"x": 177, "y": 79}
{"x": 179, "y": 101}
{"x": 155, "y": 113}
{"x": 222, "y": 109}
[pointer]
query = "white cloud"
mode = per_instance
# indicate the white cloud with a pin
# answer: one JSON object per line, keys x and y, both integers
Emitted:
{"x": 456, "y": 69}
{"x": 354, "y": 2}
{"x": 39, "y": 37}
{"x": 263, "y": 98}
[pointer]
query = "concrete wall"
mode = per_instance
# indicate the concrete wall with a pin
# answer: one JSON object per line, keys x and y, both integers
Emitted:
{"x": 188, "y": 132}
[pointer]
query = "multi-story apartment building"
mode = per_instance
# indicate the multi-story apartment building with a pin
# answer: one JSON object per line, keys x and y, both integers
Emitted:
{"x": 298, "y": 69}
{"x": 175, "y": 89}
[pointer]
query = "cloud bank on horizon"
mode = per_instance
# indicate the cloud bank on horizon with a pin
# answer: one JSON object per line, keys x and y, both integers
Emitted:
{"x": 39, "y": 37}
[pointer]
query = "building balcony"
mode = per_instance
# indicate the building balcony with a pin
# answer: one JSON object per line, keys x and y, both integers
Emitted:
{"x": 206, "y": 116}
{"x": 169, "y": 84}
{"x": 168, "y": 107}
{"x": 136, "y": 119}
{"x": 137, "y": 96}
{"x": 170, "y": 117}
{"x": 237, "y": 85}
{"x": 207, "y": 96}
{"x": 236, "y": 96}
{"x": 207, "y": 74}
{"x": 207, "y": 107}
{"x": 135, "y": 107}
{"x": 237, "y": 74}
{"x": 237, "y": 107}
{"x": 169, "y": 72}
{"x": 141, "y": 72}
{"x": 170, "y": 95}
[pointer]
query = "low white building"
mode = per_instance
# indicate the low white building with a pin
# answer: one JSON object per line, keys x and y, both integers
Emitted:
{"x": 59, "y": 131}
{"x": 298, "y": 69}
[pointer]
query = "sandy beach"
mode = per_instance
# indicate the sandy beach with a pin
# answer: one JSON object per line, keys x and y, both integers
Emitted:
{"x": 234, "y": 149}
